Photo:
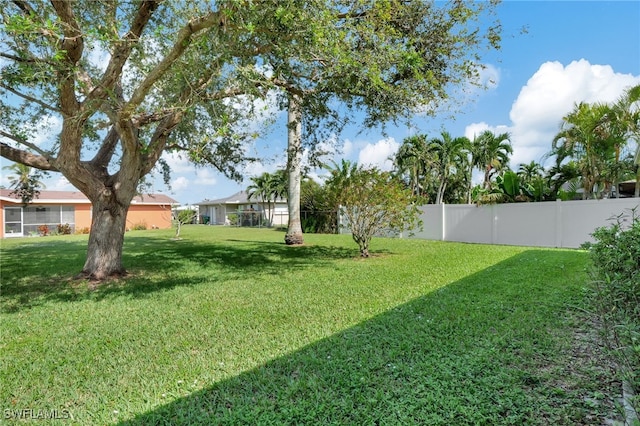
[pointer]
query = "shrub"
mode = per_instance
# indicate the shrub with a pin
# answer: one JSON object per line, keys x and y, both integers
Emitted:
{"x": 84, "y": 230}
{"x": 140, "y": 226}
{"x": 64, "y": 229}
{"x": 186, "y": 216}
{"x": 375, "y": 203}
{"x": 616, "y": 282}
{"x": 43, "y": 230}
{"x": 233, "y": 219}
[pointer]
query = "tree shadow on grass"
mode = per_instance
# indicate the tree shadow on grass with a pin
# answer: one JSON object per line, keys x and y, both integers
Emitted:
{"x": 32, "y": 276}
{"x": 469, "y": 353}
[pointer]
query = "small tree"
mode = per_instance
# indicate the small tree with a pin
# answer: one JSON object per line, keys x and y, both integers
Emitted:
{"x": 182, "y": 218}
{"x": 375, "y": 203}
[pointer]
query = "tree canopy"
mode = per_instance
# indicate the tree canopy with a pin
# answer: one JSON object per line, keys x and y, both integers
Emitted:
{"x": 117, "y": 84}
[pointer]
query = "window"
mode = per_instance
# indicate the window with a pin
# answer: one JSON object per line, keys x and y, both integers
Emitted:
{"x": 12, "y": 221}
{"x": 51, "y": 216}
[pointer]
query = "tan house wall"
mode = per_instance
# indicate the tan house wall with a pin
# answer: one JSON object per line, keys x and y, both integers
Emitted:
{"x": 153, "y": 216}
{"x": 83, "y": 216}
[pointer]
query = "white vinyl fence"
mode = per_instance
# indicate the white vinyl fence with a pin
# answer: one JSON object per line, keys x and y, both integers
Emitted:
{"x": 546, "y": 224}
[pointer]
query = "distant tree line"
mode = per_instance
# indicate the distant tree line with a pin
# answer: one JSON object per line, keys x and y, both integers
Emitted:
{"x": 594, "y": 150}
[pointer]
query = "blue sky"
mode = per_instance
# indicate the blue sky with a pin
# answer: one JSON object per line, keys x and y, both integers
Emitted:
{"x": 572, "y": 51}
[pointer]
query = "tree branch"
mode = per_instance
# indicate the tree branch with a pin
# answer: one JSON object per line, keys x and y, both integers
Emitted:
{"x": 108, "y": 147}
{"x": 24, "y": 157}
{"x": 24, "y": 6}
{"x": 72, "y": 44}
{"x": 32, "y": 60}
{"x": 159, "y": 139}
{"x": 24, "y": 142}
{"x": 289, "y": 87}
{"x": 183, "y": 40}
{"x": 30, "y": 98}
{"x": 123, "y": 50}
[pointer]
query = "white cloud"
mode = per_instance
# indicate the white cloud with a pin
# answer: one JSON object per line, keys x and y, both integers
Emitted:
{"x": 260, "y": 113}
{"x": 179, "y": 183}
{"x": 347, "y": 148}
{"x": 45, "y": 131}
{"x": 378, "y": 154}
{"x": 178, "y": 162}
{"x": 59, "y": 183}
{"x": 474, "y": 129}
{"x": 549, "y": 95}
{"x": 488, "y": 78}
{"x": 351, "y": 148}
{"x": 256, "y": 168}
{"x": 205, "y": 177}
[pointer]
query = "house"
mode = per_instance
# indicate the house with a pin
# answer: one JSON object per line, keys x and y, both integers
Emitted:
{"x": 239, "y": 210}
{"x": 53, "y": 208}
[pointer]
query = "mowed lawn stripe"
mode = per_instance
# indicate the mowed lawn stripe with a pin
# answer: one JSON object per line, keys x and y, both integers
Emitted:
{"x": 229, "y": 325}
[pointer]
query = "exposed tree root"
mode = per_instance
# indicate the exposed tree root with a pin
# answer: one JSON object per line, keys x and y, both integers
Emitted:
{"x": 98, "y": 278}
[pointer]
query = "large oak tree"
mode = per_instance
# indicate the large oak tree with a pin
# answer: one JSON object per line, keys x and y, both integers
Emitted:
{"x": 127, "y": 81}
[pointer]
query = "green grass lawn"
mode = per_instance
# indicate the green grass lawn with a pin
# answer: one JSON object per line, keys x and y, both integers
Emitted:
{"x": 230, "y": 326}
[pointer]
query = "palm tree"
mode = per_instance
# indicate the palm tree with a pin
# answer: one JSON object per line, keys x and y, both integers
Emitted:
{"x": 564, "y": 172}
{"x": 338, "y": 177}
{"x": 491, "y": 154}
{"x": 627, "y": 113}
{"x": 533, "y": 182}
{"x": 25, "y": 181}
{"x": 529, "y": 172}
{"x": 279, "y": 184}
{"x": 588, "y": 135}
{"x": 450, "y": 155}
{"x": 268, "y": 188}
{"x": 413, "y": 159}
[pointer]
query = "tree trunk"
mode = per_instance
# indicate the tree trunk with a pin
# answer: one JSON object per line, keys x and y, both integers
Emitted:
{"x": 363, "y": 244}
{"x": 104, "y": 251}
{"x": 294, "y": 169}
{"x": 487, "y": 177}
{"x": 469, "y": 186}
{"x": 441, "y": 189}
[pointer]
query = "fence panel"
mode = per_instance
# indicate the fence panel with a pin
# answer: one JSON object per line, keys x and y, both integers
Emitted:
{"x": 581, "y": 218}
{"x": 546, "y": 224}
{"x": 526, "y": 224}
{"x": 432, "y": 220}
{"x": 469, "y": 224}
